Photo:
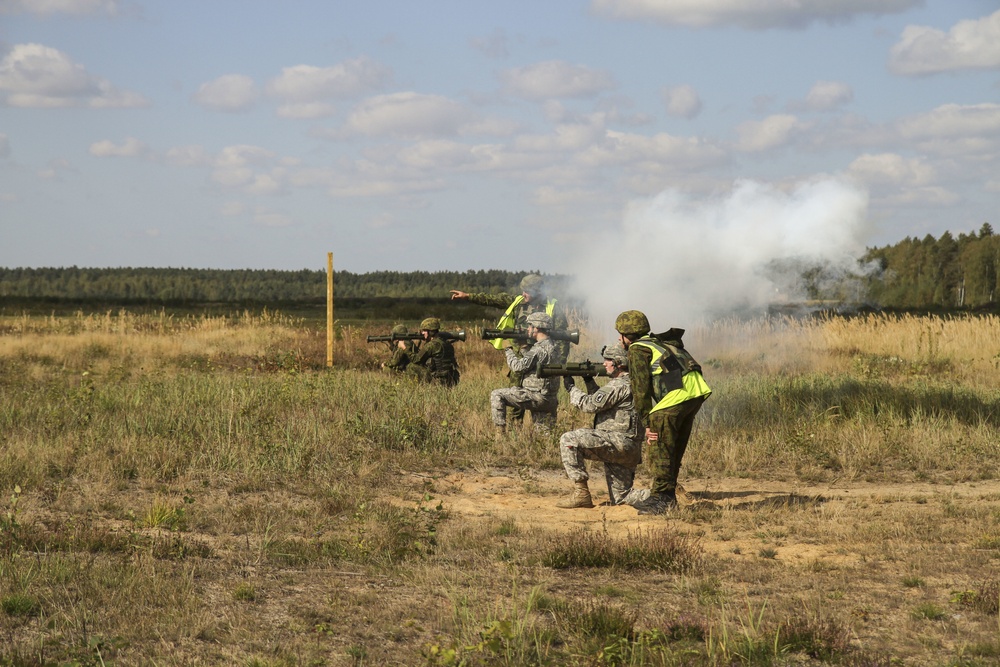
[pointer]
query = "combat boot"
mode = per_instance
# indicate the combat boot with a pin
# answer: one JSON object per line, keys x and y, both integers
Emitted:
{"x": 579, "y": 498}
{"x": 658, "y": 503}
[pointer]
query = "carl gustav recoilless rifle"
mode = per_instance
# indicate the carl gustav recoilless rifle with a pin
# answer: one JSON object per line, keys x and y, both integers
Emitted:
{"x": 572, "y": 369}
{"x": 521, "y": 335}
{"x": 392, "y": 338}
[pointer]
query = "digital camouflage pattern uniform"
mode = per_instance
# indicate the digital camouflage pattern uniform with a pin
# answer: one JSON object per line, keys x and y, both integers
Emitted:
{"x": 435, "y": 360}
{"x": 540, "y": 396}
{"x": 615, "y": 439}
{"x": 532, "y": 284}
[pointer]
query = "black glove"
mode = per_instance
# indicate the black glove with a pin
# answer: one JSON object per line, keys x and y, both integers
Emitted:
{"x": 568, "y": 382}
{"x": 590, "y": 383}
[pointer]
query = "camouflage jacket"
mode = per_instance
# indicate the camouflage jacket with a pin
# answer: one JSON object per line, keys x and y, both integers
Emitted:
{"x": 435, "y": 362}
{"x": 542, "y": 352}
{"x": 400, "y": 358}
{"x": 612, "y": 407}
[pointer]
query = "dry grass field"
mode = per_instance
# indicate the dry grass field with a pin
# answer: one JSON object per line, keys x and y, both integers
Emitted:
{"x": 203, "y": 491}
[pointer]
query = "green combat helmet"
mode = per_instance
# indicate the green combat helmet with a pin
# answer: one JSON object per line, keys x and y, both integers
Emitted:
{"x": 532, "y": 284}
{"x": 400, "y": 330}
{"x": 539, "y": 320}
{"x": 616, "y": 353}
{"x": 430, "y": 324}
{"x": 632, "y": 322}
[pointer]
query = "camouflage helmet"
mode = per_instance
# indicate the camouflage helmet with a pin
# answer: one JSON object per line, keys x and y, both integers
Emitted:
{"x": 532, "y": 284}
{"x": 632, "y": 322}
{"x": 430, "y": 324}
{"x": 540, "y": 320}
{"x": 400, "y": 330}
{"x": 616, "y": 353}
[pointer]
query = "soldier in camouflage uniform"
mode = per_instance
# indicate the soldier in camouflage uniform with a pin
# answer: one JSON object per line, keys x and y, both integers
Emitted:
{"x": 402, "y": 351}
{"x": 668, "y": 389}
{"x": 616, "y": 438}
{"x": 435, "y": 360}
{"x": 516, "y": 310}
{"x": 540, "y": 396}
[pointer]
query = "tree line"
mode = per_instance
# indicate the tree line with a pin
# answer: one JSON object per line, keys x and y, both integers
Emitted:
{"x": 180, "y": 285}
{"x": 944, "y": 272}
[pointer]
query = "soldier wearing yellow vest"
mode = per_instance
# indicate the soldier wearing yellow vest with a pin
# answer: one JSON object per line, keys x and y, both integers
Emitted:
{"x": 532, "y": 299}
{"x": 669, "y": 390}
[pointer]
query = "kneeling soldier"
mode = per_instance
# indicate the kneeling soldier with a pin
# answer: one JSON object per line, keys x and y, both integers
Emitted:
{"x": 435, "y": 361}
{"x": 540, "y": 396}
{"x": 616, "y": 438}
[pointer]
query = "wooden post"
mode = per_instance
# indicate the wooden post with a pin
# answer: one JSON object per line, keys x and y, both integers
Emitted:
{"x": 329, "y": 309}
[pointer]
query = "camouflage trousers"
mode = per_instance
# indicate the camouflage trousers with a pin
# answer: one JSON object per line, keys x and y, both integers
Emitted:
{"x": 663, "y": 456}
{"x": 619, "y": 454}
{"x": 542, "y": 409}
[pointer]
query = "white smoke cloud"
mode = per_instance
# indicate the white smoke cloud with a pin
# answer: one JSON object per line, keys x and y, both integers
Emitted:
{"x": 684, "y": 260}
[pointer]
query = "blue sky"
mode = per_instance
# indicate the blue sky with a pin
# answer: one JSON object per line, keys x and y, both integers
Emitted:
{"x": 464, "y": 135}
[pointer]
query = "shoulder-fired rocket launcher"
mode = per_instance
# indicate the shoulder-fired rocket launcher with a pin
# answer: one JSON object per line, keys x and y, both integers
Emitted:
{"x": 572, "y": 369}
{"x": 521, "y": 335}
{"x": 392, "y": 338}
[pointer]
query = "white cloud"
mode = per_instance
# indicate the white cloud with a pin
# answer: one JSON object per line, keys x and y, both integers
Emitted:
{"x": 926, "y": 196}
{"x": 771, "y": 132}
{"x": 682, "y": 101}
{"x": 132, "y": 147}
{"x": 188, "y": 156}
{"x": 642, "y": 151}
{"x": 55, "y": 169}
{"x": 954, "y": 129}
{"x": 306, "y": 110}
{"x": 756, "y": 15}
{"x": 992, "y": 185}
{"x": 556, "y": 79}
{"x": 306, "y": 83}
{"x": 826, "y": 95}
{"x": 972, "y": 44}
{"x": 49, "y": 7}
{"x": 241, "y": 166}
{"x": 408, "y": 114}
{"x": 38, "y": 76}
{"x": 4, "y": 145}
{"x": 891, "y": 169}
{"x": 567, "y": 137}
{"x": 436, "y": 154}
{"x": 230, "y": 92}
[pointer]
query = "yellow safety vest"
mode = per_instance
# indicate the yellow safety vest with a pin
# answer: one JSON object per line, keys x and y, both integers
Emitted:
{"x": 681, "y": 382}
{"x": 509, "y": 320}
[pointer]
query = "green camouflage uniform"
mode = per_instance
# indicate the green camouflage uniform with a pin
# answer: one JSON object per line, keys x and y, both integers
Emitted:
{"x": 435, "y": 362}
{"x": 672, "y": 425}
{"x": 400, "y": 358}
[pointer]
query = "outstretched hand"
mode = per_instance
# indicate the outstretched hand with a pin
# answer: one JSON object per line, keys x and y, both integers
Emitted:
{"x": 459, "y": 294}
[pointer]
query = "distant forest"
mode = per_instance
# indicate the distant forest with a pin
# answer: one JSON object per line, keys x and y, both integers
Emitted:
{"x": 927, "y": 273}
{"x": 138, "y": 285}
